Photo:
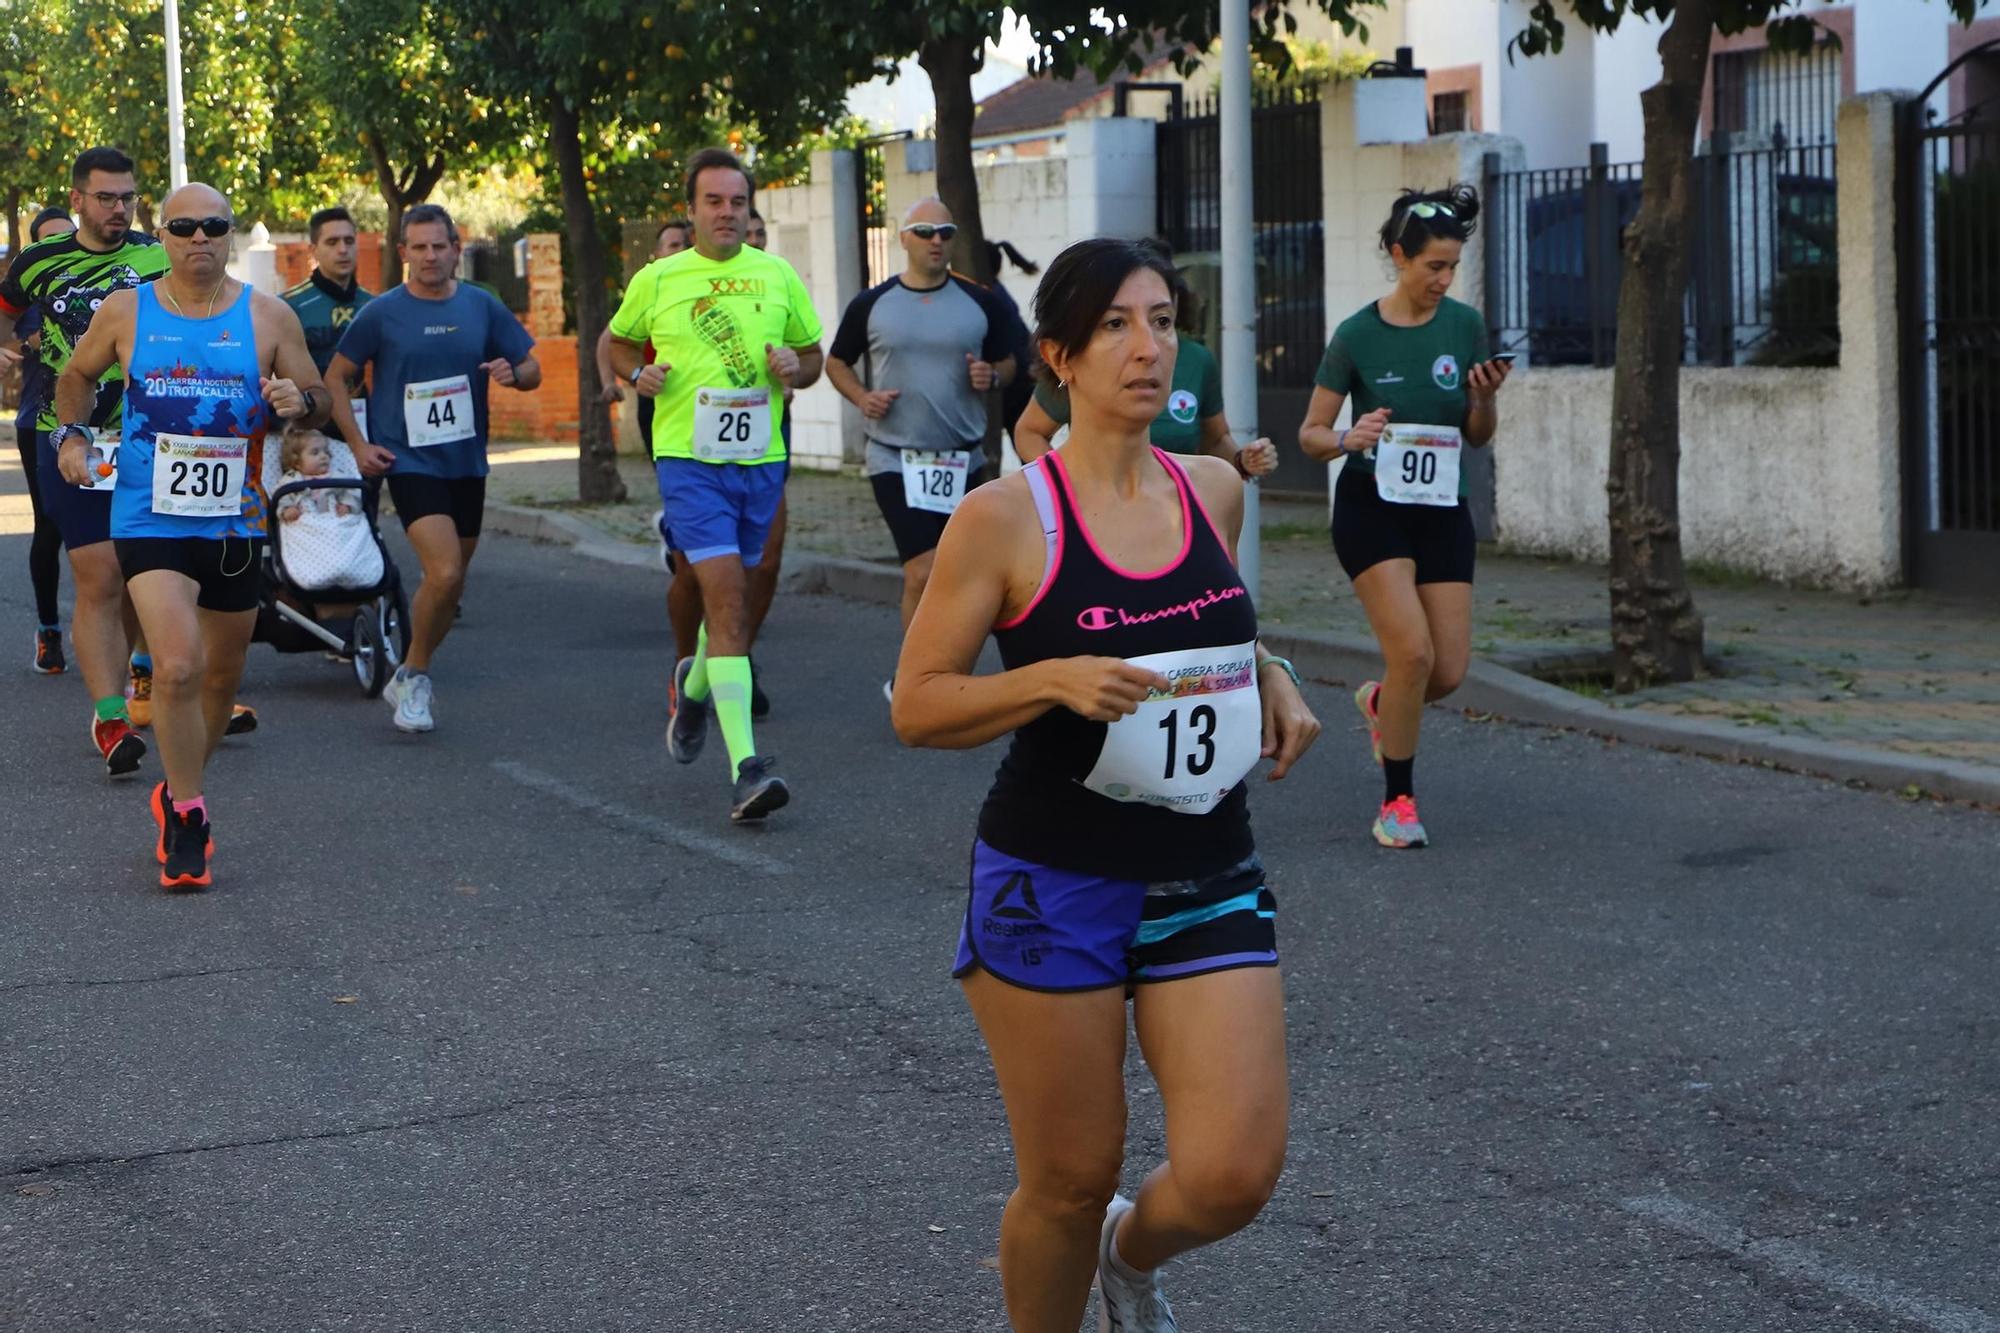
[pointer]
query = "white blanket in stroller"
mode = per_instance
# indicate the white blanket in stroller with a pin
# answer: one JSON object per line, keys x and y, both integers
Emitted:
{"x": 322, "y": 548}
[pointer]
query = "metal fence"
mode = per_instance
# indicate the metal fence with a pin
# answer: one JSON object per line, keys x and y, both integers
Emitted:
{"x": 878, "y": 233}
{"x": 1288, "y": 239}
{"x": 1763, "y": 287}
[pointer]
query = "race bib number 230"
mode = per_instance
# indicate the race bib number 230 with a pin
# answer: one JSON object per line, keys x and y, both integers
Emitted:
{"x": 199, "y": 476}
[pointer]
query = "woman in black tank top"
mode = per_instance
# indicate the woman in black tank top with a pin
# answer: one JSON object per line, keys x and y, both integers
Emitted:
{"x": 1114, "y": 854}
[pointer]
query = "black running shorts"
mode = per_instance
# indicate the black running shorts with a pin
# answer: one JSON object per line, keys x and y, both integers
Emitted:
{"x": 227, "y": 571}
{"x": 1368, "y": 530}
{"x": 462, "y": 499}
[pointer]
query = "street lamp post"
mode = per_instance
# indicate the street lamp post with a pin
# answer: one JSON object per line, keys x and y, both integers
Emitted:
{"x": 1239, "y": 269}
{"x": 177, "y": 171}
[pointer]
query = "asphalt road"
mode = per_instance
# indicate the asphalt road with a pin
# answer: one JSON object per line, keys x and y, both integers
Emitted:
{"x": 505, "y": 1028}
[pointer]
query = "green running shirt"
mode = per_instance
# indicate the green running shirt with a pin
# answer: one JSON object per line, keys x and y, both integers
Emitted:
{"x": 1417, "y": 373}
{"x": 67, "y": 282}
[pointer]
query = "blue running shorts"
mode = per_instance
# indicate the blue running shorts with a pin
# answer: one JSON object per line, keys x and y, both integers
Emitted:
{"x": 83, "y": 517}
{"x": 718, "y": 509}
{"x": 1058, "y": 930}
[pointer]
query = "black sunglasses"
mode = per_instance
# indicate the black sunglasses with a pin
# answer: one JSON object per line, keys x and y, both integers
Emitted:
{"x": 186, "y": 227}
{"x": 923, "y": 231}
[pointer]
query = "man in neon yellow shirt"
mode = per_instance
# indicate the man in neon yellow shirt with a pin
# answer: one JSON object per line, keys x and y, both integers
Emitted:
{"x": 732, "y": 328}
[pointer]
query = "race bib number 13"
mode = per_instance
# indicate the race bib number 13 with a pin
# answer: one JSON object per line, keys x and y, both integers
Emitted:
{"x": 732, "y": 425}
{"x": 199, "y": 476}
{"x": 1187, "y": 748}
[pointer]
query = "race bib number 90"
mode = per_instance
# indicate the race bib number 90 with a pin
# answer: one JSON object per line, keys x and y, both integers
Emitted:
{"x": 1418, "y": 465}
{"x": 438, "y": 412}
{"x": 934, "y": 481}
{"x": 732, "y": 425}
{"x": 199, "y": 476}
{"x": 1188, "y": 747}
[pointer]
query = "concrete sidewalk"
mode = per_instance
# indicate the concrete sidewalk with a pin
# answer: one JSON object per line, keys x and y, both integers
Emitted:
{"x": 1904, "y": 673}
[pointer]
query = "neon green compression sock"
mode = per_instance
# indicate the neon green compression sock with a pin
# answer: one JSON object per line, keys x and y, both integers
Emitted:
{"x": 730, "y": 677}
{"x": 697, "y": 681}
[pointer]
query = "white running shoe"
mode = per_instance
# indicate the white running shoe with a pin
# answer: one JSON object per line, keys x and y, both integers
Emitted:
{"x": 413, "y": 704}
{"x": 392, "y": 693}
{"x": 1124, "y": 1306}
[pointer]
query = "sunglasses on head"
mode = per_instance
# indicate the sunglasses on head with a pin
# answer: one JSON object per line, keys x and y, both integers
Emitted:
{"x": 1427, "y": 211}
{"x": 186, "y": 227}
{"x": 923, "y": 231}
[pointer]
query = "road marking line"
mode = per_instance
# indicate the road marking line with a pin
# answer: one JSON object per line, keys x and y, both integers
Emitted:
{"x": 651, "y": 826}
{"x": 1797, "y": 1262}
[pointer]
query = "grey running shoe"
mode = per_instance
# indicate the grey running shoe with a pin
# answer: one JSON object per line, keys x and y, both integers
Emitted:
{"x": 759, "y": 791}
{"x": 687, "y": 729}
{"x": 1122, "y": 1306}
{"x": 413, "y": 704}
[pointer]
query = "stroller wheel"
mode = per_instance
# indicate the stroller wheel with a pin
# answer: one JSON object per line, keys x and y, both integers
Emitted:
{"x": 371, "y": 654}
{"x": 396, "y": 625}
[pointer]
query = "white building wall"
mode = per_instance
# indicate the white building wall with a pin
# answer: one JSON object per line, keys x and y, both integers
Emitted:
{"x": 1625, "y": 62}
{"x": 1547, "y": 102}
{"x": 1900, "y": 44}
{"x": 1444, "y": 34}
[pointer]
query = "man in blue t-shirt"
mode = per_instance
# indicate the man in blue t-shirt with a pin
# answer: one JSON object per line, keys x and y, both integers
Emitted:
{"x": 435, "y": 343}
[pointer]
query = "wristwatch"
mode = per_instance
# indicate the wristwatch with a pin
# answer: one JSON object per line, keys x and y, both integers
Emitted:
{"x": 63, "y": 433}
{"x": 636, "y": 374}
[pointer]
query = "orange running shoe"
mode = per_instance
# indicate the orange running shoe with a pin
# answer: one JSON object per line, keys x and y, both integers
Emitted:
{"x": 1398, "y": 826}
{"x": 139, "y": 698}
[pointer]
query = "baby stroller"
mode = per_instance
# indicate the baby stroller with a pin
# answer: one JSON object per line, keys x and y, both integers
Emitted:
{"x": 335, "y": 591}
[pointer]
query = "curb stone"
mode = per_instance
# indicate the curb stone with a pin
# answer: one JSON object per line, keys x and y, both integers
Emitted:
{"x": 1349, "y": 659}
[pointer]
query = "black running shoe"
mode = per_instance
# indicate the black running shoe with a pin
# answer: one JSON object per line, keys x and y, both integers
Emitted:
{"x": 759, "y": 791}
{"x": 49, "y": 659}
{"x": 687, "y": 730}
{"x": 242, "y": 721}
{"x": 188, "y": 848}
{"x": 760, "y": 704}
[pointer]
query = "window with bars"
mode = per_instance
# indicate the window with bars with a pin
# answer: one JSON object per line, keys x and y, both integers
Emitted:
{"x": 1451, "y": 113}
{"x": 1778, "y": 96}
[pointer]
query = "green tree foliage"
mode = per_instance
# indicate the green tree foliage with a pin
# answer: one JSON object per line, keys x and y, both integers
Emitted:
{"x": 404, "y": 94}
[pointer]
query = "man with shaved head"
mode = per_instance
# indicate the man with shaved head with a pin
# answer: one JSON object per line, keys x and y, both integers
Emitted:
{"x": 932, "y": 343}
{"x": 208, "y": 365}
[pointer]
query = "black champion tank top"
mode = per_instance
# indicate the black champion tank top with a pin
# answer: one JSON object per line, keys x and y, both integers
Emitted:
{"x": 1162, "y": 798}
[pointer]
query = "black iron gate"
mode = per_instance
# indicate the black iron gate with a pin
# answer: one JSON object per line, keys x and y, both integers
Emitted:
{"x": 1288, "y": 242}
{"x": 877, "y": 233}
{"x": 1949, "y": 236}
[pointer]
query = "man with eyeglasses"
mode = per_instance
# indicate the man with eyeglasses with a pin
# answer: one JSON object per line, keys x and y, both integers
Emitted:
{"x": 210, "y": 366}
{"x": 436, "y": 344}
{"x": 933, "y": 343}
{"x": 67, "y": 278}
{"x": 732, "y": 328}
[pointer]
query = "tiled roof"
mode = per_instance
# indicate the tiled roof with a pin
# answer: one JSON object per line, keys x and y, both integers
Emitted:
{"x": 1039, "y": 101}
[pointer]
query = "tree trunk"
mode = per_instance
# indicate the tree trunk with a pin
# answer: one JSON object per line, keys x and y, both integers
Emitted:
{"x": 951, "y": 62}
{"x": 1656, "y": 632}
{"x": 597, "y": 479}
{"x": 400, "y": 193}
{"x": 14, "y": 221}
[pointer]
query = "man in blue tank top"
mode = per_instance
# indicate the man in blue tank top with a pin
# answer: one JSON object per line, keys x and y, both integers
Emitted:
{"x": 208, "y": 364}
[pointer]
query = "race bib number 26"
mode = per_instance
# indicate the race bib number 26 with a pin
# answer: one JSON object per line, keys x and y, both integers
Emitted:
{"x": 732, "y": 425}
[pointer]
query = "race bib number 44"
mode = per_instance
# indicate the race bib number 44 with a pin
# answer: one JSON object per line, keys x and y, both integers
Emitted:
{"x": 732, "y": 425}
{"x": 1418, "y": 465}
{"x": 438, "y": 412}
{"x": 1187, "y": 747}
{"x": 934, "y": 481}
{"x": 199, "y": 476}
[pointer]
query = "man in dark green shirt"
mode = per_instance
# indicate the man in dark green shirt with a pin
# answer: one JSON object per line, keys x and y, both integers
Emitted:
{"x": 327, "y": 302}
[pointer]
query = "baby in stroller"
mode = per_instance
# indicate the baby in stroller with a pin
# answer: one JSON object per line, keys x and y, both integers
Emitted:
{"x": 329, "y": 583}
{"x": 327, "y": 542}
